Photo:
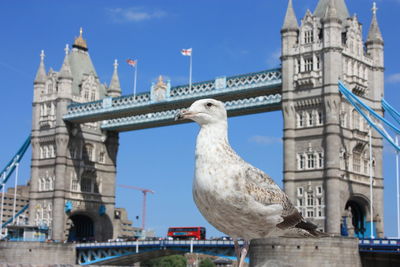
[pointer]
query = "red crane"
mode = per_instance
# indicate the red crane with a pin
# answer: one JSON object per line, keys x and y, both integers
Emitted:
{"x": 144, "y": 191}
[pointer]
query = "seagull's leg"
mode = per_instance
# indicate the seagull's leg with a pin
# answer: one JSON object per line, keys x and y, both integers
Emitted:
{"x": 237, "y": 249}
{"x": 243, "y": 253}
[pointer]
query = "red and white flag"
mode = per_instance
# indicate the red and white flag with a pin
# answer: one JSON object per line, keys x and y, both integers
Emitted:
{"x": 186, "y": 52}
{"x": 131, "y": 62}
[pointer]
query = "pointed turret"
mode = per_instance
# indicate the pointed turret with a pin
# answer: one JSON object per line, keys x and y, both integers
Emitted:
{"x": 65, "y": 71}
{"x": 290, "y": 22}
{"x": 331, "y": 11}
{"x": 41, "y": 72}
{"x": 114, "y": 90}
{"x": 374, "y": 34}
{"x": 341, "y": 9}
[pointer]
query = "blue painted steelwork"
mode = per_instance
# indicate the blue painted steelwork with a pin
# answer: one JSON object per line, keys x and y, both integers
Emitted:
{"x": 394, "y": 113}
{"x": 167, "y": 116}
{"x": 12, "y": 164}
{"x": 223, "y": 88}
{"x": 379, "y": 245}
{"x": 358, "y": 105}
{"x": 91, "y": 253}
{"x": 16, "y": 215}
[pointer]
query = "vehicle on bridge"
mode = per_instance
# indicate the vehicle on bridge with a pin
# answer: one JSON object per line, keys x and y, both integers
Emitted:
{"x": 184, "y": 233}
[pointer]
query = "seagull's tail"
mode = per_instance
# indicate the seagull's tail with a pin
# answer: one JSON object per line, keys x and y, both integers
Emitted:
{"x": 311, "y": 229}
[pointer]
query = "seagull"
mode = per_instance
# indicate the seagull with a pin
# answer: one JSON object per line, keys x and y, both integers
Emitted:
{"x": 235, "y": 197}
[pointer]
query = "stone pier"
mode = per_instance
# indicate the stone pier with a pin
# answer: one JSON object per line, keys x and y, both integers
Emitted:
{"x": 304, "y": 252}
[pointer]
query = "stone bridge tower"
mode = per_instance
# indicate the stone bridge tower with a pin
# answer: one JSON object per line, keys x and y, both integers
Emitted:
{"x": 326, "y": 147}
{"x": 72, "y": 189}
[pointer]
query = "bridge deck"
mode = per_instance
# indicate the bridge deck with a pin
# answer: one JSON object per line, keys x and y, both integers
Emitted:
{"x": 243, "y": 94}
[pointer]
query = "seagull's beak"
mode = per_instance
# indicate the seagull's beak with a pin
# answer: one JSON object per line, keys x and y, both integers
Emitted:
{"x": 183, "y": 114}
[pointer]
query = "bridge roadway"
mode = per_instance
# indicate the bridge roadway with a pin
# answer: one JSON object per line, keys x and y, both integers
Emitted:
{"x": 126, "y": 253}
{"x": 243, "y": 94}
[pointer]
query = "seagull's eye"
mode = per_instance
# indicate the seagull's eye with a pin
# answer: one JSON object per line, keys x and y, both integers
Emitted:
{"x": 209, "y": 104}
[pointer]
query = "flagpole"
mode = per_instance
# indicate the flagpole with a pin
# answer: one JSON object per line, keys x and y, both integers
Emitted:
{"x": 190, "y": 71}
{"x": 135, "y": 78}
{"x": 370, "y": 185}
{"x": 397, "y": 189}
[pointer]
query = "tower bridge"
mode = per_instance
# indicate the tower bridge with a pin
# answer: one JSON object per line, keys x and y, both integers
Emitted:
{"x": 77, "y": 120}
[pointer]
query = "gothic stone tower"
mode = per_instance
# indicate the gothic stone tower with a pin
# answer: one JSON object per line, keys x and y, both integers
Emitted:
{"x": 72, "y": 188}
{"x": 326, "y": 147}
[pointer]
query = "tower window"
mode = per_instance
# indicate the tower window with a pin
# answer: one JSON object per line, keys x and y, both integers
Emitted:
{"x": 310, "y": 213}
{"x": 300, "y": 191}
{"x": 356, "y": 162}
{"x": 310, "y": 161}
{"x": 308, "y": 64}
{"x": 86, "y": 184}
{"x": 302, "y": 162}
{"x": 300, "y": 120}
{"x": 102, "y": 157}
{"x": 310, "y": 118}
{"x": 308, "y": 37}
{"x": 310, "y": 199}
{"x": 320, "y": 161}
{"x": 320, "y": 117}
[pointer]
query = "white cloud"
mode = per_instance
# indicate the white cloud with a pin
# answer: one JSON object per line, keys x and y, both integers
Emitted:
{"x": 394, "y": 78}
{"x": 265, "y": 140}
{"x": 273, "y": 60}
{"x": 134, "y": 14}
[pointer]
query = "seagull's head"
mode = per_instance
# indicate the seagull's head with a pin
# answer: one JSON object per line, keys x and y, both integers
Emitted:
{"x": 204, "y": 111}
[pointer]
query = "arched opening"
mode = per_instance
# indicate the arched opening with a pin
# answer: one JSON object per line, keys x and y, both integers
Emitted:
{"x": 356, "y": 217}
{"x": 82, "y": 228}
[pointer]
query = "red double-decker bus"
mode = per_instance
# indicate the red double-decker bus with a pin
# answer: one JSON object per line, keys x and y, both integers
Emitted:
{"x": 184, "y": 233}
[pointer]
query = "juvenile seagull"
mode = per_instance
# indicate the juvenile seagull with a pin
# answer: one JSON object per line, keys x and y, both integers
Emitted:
{"x": 235, "y": 197}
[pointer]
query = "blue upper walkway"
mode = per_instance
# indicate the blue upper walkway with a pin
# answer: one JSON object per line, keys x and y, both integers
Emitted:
{"x": 242, "y": 94}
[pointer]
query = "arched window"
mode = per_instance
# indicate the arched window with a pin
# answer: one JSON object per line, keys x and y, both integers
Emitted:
{"x": 89, "y": 152}
{"x": 310, "y": 118}
{"x": 93, "y": 96}
{"x": 356, "y": 161}
{"x": 49, "y": 88}
{"x": 310, "y": 161}
{"x": 46, "y": 152}
{"x": 310, "y": 199}
{"x": 302, "y": 161}
{"x": 300, "y": 119}
{"x": 320, "y": 160}
{"x": 102, "y": 157}
{"x": 308, "y": 36}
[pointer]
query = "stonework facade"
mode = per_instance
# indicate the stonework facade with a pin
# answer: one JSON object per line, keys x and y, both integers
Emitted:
{"x": 326, "y": 144}
{"x": 72, "y": 189}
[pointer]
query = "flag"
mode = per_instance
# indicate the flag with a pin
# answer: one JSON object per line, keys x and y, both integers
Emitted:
{"x": 131, "y": 62}
{"x": 186, "y": 52}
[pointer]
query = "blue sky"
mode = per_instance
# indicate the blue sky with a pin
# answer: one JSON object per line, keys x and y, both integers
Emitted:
{"x": 228, "y": 37}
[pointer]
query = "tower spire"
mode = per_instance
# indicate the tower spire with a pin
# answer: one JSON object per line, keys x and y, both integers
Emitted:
{"x": 340, "y": 6}
{"x": 114, "y": 90}
{"x": 374, "y": 34}
{"x": 65, "y": 71}
{"x": 331, "y": 11}
{"x": 41, "y": 72}
{"x": 290, "y": 22}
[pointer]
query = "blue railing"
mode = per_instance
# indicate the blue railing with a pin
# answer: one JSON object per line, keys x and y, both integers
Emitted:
{"x": 379, "y": 245}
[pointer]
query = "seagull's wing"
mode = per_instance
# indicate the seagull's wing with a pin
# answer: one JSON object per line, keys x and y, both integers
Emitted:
{"x": 265, "y": 191}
